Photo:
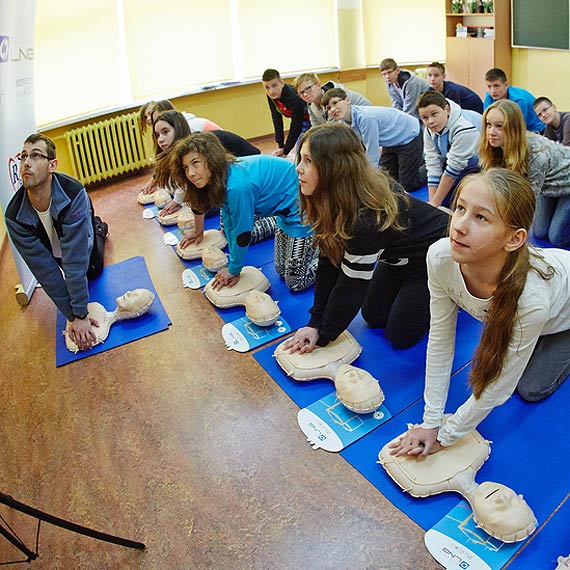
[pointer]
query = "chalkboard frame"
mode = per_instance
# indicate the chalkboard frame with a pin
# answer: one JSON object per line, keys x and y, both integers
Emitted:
{"x": 540, "y": 25}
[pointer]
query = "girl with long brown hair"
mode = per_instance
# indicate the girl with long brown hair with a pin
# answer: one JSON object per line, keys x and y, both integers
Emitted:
{"x": 253, "y": 186}
{"x": 505, "y": 143}
{"x": 522, "y": 294}
{"x": 361, "y": 217}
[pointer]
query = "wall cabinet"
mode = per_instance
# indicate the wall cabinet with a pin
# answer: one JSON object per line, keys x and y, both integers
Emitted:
{"x": 468, "y": 59}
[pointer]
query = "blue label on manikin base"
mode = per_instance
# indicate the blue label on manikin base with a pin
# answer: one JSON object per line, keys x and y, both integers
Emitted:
{"x": 243, "y": 335}
{"x": 329, "y": 425}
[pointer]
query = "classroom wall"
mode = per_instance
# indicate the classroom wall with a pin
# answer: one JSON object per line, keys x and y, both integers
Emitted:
{"x": 544, "y": 73}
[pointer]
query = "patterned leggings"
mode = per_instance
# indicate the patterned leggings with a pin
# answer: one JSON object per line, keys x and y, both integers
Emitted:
{"x": 296, "y": 260}
{"x": 263, "y": 228}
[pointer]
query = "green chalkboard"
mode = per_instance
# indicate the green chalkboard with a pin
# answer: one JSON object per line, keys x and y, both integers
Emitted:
{"x": 541, "y": 24}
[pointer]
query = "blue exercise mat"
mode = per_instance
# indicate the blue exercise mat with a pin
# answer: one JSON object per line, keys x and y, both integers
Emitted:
{"x": 112, "y": 283}
{"x": 548, "y": 543}
{"x": 400, "y": 372}
{"x": 525, "y": 454}
{"x": 294, "y": 306}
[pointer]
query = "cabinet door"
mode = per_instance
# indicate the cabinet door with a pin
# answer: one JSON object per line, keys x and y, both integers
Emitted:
{"x": 457, "y": 60}
{"x": 481, "y": 59}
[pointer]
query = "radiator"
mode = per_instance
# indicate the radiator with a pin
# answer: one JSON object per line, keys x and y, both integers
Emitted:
{"x": 107, "y": 148}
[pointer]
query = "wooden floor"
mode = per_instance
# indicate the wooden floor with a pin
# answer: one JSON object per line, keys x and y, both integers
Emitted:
{"x": 174, "y": 441}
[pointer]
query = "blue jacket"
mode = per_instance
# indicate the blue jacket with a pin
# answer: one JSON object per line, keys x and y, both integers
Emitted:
{"x": 524, "y": 99}
{"x": 259, "y": 185}
{"x": 72, "y": 215}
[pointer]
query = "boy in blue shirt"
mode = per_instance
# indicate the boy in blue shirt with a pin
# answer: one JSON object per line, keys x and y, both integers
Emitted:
{"x": 398, "y": 133}
{"x": 498, "y": 88}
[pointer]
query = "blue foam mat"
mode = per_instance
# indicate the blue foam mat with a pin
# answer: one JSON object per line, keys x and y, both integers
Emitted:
{"x": 549, "y": 542}
{"x": 525, "y": 454}
{"x": 400, "y": 372}
{"x": 113, "y": 282}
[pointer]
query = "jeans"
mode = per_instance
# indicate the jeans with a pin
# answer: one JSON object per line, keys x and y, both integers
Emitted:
{"x": 552, "y": 220}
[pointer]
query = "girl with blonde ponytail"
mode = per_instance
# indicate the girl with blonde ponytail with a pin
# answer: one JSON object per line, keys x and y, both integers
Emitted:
{"x": 521, "y": 293}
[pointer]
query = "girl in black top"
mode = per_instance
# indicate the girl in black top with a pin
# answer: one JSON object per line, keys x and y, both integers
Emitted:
{"x": 373, "y": 238}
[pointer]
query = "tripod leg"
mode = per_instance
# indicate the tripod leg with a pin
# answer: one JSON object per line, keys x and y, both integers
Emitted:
{"x": 68, "y": 525}
{"x": 18, "y": 544}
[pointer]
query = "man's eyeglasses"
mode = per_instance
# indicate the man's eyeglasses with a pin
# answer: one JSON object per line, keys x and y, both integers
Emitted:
{"x": 33, "y": 156}
{"x": 543, "y": 112}
{"x": 307, "y": 89}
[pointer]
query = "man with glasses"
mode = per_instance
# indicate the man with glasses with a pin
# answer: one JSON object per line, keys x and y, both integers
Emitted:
{"x": 51, "y": 222}
{"x": 557, "y": 123}
{"x": 311, "y": 90}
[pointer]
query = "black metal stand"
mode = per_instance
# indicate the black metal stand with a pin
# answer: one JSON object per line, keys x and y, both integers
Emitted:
{"x": 56, "y": 521}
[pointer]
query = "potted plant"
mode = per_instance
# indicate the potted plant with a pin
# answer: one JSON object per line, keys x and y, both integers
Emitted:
{"x": 474, "y": 6}
{"x": 488, "y": 6}
{"x": 456, "y": 6}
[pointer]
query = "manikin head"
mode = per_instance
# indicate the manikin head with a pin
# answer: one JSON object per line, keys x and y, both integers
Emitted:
{"x": 501, "y": 512}
{"x": 135, "y": 300}
{"x": 261, "y": 308}
{"x": 355, "y": 383}
{"x": 214, "y": 258}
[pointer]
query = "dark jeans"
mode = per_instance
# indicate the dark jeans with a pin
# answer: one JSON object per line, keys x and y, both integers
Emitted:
{"x": 547, "y": 368}
{"x": 398, "y": 300}
{"x": 403, "y": 163}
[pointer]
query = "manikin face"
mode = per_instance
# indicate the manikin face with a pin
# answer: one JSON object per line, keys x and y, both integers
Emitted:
{"x": 260, "y": 305}
{"x": 339, "y": 109}
{"x": 546, "y": 112}
{"x": 501, "y": 510}
{"x": 435, "y": 78}
{"x": 494, "y": 128}
{"x": 310, "y": 92}
{"x": 497, "y": 89}
{"x": 355, "y": 383}
{"x": 196, "y": 169}
{"x": 35, "y": 168}
{"x": 391, "y": 75}
{"x": 434, "y": 117}
{"x": 274, "y": 88}
{"x": 164, "y": 133}
{"x": 307, "y": 171}
{"x": 477, "y": 233}
{"x": 134, "y": 300}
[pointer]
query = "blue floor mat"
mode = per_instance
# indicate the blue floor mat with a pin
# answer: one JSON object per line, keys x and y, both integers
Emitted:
{"x": 549, "y": 542}
{"x": 525, "y": 455}
{"x": 112, "y": 283}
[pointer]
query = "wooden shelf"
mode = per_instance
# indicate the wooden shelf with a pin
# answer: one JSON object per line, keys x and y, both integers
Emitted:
{"x": 468, "y": 61}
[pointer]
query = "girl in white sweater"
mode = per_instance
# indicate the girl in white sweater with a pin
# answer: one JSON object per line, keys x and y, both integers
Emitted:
{"x": 521, "y": 293}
